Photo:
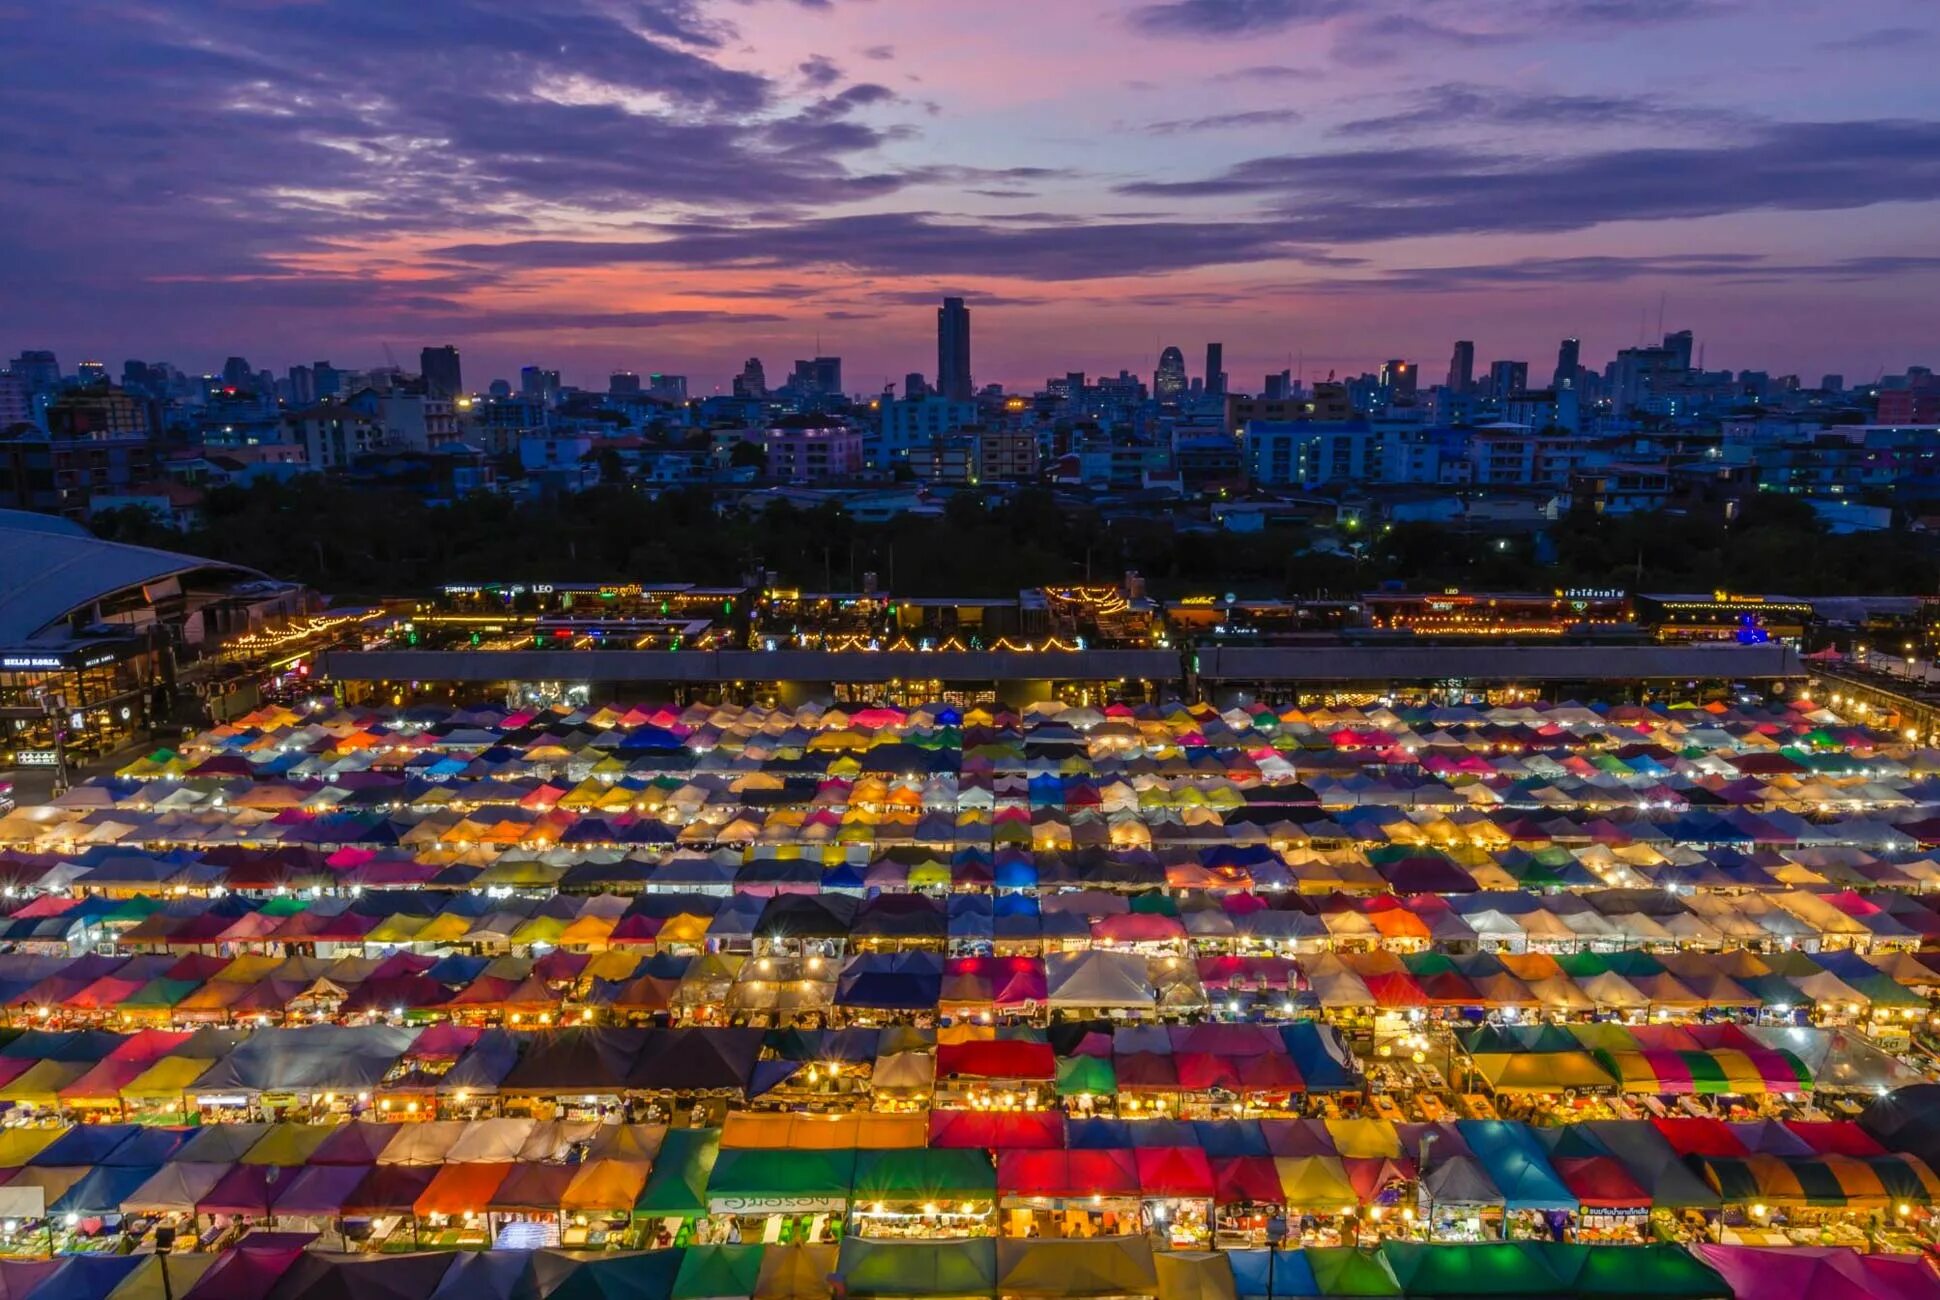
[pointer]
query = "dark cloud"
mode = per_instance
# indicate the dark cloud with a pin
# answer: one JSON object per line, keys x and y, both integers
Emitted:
{"x": 819, "y": 70}
{"x": 557, "y": 322}
{"x": 1455, "y": 104}
{"x": 1897, "y": 39}
{"x": 880, "y": 53}
{"x": 1384, "y": 32}
{"x": 1221, "y": 18}
{"x": 214, "y": 142}
{"x": 916, "y": 243}
{"x": 972, "y": 297}
{"x": 1536, "y": 272}
{"x": 1225, "y": 121}
{"x": 1270, "y": 72}
{"x": 841, "y": 314}
{"x": 1385, "y": 37}
{"x": 1400, "y": 192}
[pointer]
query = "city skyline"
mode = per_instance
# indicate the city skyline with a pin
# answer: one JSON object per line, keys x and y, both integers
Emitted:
{"x": 678, "y": 186}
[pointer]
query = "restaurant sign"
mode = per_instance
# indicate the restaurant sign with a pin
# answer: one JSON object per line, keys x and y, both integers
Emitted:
{"x": 755, "y": 1205}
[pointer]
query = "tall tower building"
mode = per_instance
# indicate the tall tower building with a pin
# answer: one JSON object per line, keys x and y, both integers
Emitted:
{"x": 752, "y": 381}
{"x": 953, "y": 350}
{"x": 1398, "y": 380}
{"x": 1169, "y": 380}
{"x": 1215, "y": 369}
{"x": 1569, "y": 356}
{"x": 440, "y": 370}
{"x": 1679, "y": 345}
{"x": 1508, "y": 379}
{"x": 1461, "y": 366}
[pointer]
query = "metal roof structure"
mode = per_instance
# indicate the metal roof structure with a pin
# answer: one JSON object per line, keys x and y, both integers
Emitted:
{"x": 51, "y": 567}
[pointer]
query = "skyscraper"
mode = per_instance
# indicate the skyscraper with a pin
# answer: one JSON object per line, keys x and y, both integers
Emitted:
{"x": 623, "y": 383}
{"x": 1215, "y": 370}
{"x": 1679, "y": 346}
{"x": 752, "y": 381}
{"x": 1569, "y": 356}
{"x": 439, "y": 368}
{"x": 953, "y": 350}
{"x": 37, "y": 369}
{"x": 326, "y": 380}
{"x": 1169, "y": 380}
{"x": 1398, "y": 380}
{"x": 1508, "y": 379}
{"x": 817, "y": 377}
{"x": 1461, "y": 366}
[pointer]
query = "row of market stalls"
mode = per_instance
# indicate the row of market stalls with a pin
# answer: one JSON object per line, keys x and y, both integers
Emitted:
{"x": 1080, "y": 1067}
{"x": 1675, "y": 1060}
{"x": 322, "y": 1070}
{"x": 423, "y": 796}
{"x": 783, "y": 1177}
{"x": 1886, "y": 993}
{"x": 277, "y": 1267}
{"x": 1194, "y": 910}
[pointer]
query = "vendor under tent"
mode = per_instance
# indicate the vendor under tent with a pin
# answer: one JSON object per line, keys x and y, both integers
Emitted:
{"x": 769, "y": 1190}
{"x": 675, "y": 1195}
{"x": 923, "y": 1192}
{"x": 1115, "y": 983}
{"x": 1056, "y": 1193}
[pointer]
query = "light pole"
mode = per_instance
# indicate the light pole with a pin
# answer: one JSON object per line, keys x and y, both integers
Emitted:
{"x": 1428, "y": 1140}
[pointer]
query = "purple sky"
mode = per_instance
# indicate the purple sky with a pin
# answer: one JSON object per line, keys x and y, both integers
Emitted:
{"x": 678, "y": 184}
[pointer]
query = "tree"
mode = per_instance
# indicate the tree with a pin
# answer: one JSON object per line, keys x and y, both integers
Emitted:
{"x": 612, "y": 467}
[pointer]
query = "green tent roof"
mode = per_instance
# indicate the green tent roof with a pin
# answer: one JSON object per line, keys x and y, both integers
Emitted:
{"x": 678, "y": 1183}
{"x": 919, "y": 1268}
{"x": 1081, "y": 1074}
{"x": 925, "y": 1174}
{"x": 707, "y": 1272}
{"x": 646, "y": 1276}
{"x": 761, "y": 1172}
{"x": 1506, "y": 1268}
{"x": 1351, "y": 1271}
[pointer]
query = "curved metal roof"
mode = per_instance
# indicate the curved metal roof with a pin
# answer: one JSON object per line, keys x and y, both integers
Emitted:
{"x": 51, "y": 567}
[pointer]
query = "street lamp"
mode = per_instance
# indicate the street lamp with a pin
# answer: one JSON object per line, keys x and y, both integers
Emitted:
{"x": 1428, "y": 1140}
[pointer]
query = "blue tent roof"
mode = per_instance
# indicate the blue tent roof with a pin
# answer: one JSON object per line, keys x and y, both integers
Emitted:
{"x": 1515, "y": 1163}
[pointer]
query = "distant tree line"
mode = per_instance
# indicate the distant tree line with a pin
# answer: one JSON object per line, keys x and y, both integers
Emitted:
{"x": 361, "y": 542}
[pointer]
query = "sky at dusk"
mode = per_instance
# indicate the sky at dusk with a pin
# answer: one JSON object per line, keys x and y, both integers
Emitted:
{"x": 675, "y": 185}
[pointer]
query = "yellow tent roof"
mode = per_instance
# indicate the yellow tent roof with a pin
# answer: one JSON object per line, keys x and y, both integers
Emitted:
{"x": 288, "y": 1145}
{"x": 42, "y": 1083}
{"x": 1364, "y": 1139}
{"x": 796, "y": 1273}
{"x": 19, "y": 1145}
{"x": 1193, "y": 1275}
{"x": 605, "y": 1185}
{"x": 1311, "y": 1182}
{"x": 169, "y": 1077}
{"x": 146, "y": 1282}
